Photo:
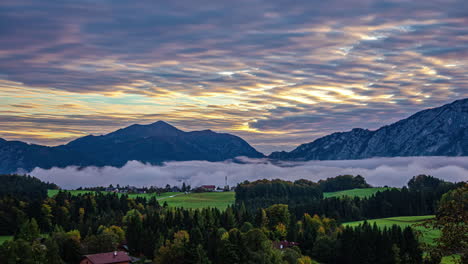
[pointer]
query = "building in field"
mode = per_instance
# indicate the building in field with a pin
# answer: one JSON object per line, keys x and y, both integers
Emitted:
{"x": 208, "y": 188}
{"x": 116, "y": 257}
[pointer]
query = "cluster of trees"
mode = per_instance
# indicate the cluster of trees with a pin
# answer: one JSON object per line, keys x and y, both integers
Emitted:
{"x": 419, "y": 198}
{"x": 452, "y": 219}
{"x": 263, "y": 193}
{"x": 62, "y": 228}
{"x": 343, "y": 182}
{"x": 24, "y": 187}
{"x": 57, "y": 247}
{"x": 171, "y": 235}
{"x": 131, "y": 189}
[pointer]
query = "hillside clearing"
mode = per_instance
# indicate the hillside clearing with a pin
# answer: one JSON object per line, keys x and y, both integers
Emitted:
{"x": 364, "y": 192}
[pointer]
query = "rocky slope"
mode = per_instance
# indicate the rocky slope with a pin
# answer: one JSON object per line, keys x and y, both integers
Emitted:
{"x": 441, "y": 131}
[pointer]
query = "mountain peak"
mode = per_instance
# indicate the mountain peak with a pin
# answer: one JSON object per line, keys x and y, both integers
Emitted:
{"x": 161, "y": 123}
{"x": 159, "y": 128}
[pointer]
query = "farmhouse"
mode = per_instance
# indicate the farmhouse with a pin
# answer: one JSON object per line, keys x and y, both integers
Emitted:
{"x": 116, "y": 257}
{"x": 208, "y": 188}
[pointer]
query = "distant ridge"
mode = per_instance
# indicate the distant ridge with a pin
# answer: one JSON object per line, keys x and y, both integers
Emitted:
{"x": 153, "y": 143}
{"x": 441, "y": 131}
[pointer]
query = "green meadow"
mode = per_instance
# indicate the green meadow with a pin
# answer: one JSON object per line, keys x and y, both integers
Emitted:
{"x": 3, "y": 239}
{"x": 365, "y": 192}
{"x": 219, "y": 200}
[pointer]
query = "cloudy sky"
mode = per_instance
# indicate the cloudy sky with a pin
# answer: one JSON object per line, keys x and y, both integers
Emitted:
{"x": 277, "y": 73}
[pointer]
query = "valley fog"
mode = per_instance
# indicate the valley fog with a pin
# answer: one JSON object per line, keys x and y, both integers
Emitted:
{"x": 393, "y": 172}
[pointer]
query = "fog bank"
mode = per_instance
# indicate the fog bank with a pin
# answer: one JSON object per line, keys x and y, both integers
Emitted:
{"x": 377, "y": 171}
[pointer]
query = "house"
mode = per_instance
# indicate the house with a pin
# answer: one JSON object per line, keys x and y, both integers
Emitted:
{"x": 284, "y": 244}
{"x": 116, "y": 257}
{"x": 208, "y": 188}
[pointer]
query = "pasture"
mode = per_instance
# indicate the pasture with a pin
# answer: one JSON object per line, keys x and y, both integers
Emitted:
{"x": 220, "y": 200}
{"x": 364, "y": 192}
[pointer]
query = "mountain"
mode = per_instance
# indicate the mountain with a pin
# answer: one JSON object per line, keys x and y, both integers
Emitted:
{"x": 441, "y": 131}
{"x": 153, "y": 143}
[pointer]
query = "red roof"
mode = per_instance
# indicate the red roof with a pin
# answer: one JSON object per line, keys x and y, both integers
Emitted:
{"x": 108, "y": 258}
{"x": 284, "y": 244}
{"x": 208, "y": 187}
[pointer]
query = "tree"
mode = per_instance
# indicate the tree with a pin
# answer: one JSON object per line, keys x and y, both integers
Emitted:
{"x": 104, "y": 242}
{"x": 258, "y": 248}
{"x": 29, "y": 231}
{"x": 278, "y": 214}
{"x": 69, "y": 244}
{"x": 53, "y": 253}
{"x": 306, "y": 260}
{"x": 261, "y": 218}
{"x": 175, "y": 251}
{"x": 452, "y": 220}
{"x": 20, "y": 251}
{"x": 291, "y": 256}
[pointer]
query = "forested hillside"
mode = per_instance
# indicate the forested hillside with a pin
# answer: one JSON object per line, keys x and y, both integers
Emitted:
{"x": 62, "y": 228}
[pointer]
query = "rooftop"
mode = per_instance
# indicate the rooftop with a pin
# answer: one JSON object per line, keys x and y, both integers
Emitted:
{"x": 108, "y": 258}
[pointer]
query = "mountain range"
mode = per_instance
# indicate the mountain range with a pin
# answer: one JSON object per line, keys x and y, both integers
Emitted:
{"x": 153, "y": 143}
{"x": 441, "y": 131}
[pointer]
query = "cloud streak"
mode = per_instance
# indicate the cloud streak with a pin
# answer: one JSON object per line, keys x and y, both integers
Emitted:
{"x": 378, "y": 172}
{"x": 254, "y": 68}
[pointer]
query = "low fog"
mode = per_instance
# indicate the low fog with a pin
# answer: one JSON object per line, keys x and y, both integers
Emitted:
{"x": 377, "y": 171}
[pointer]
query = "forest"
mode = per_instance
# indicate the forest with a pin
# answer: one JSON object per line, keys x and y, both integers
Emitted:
{"x": 271, "y": 222}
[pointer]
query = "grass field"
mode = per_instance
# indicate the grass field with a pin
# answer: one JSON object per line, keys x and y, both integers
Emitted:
{"x": 365, "y": 192}
{"x": 52, "y": 193}
{"x": 220, "y": 200}
{"x": 3, "y": 239}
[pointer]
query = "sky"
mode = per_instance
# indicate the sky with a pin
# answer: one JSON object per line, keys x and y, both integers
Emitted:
{"x": 277, "y": 73}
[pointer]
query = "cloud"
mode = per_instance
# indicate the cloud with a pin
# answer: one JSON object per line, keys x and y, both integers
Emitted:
{"x": 378, "y": 172}
{"x": 254, "y": 67}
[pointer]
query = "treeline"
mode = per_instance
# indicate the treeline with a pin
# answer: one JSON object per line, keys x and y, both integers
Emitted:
{"x": 263, "y": 193}
{"x": 80, "y": 212}
{"x": 24, "y": 187}
{"x": 419, "y": 198}
{"x": 343, "y": 182}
